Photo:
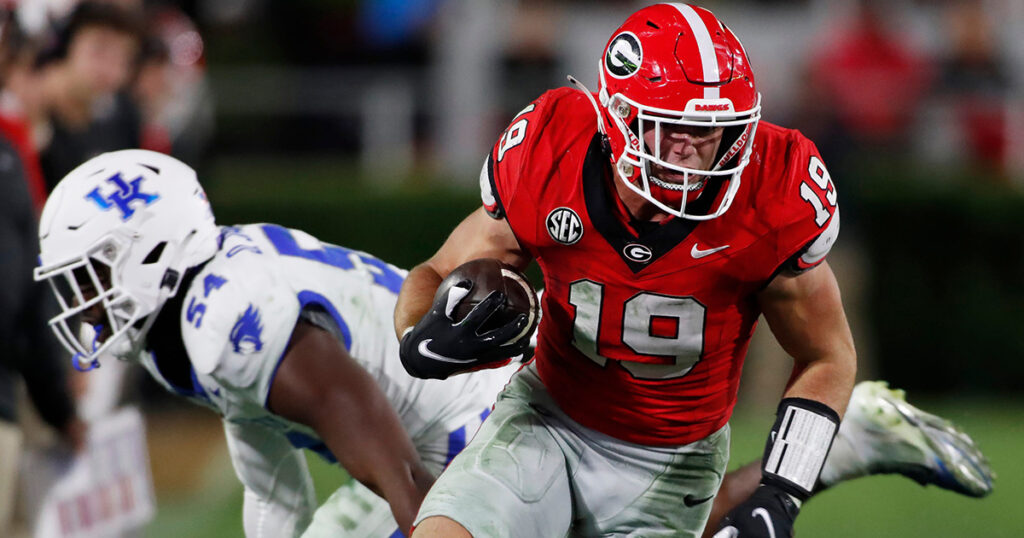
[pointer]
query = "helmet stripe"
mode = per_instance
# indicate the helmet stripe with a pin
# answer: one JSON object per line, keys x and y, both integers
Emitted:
{"x": 708, "y": 58}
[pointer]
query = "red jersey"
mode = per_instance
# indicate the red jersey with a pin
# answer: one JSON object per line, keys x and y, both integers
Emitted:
{"x": 644, "y": 333}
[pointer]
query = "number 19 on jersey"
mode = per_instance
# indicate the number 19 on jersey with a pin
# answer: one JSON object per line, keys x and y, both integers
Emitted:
{"x": 652, "y": 324}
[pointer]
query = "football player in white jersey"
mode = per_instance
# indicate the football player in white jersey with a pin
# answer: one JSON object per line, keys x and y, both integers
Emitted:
{"x": 291, "y": 341}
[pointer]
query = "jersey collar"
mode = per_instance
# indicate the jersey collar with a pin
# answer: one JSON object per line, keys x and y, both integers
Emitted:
{"x": 602, "y": 208}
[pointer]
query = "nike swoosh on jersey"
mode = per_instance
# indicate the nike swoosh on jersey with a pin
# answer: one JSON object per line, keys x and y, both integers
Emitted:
{"x": 691, "y": 501}
{"x": 727, "y": 532}
{"x": 698, "y": 253}
{"x": 767, "y": 520}
{"x": 425, "y": 351}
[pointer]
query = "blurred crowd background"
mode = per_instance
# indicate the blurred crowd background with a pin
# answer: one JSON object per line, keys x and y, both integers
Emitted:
{"x": 365, "y": 122}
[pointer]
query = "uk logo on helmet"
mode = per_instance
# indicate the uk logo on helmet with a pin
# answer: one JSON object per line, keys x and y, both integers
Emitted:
{"x": 624, "y": 55}
{"x": 122, "y": 198}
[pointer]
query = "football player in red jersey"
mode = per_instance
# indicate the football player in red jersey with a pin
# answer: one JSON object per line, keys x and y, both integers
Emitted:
{"x": 666, "y": 218}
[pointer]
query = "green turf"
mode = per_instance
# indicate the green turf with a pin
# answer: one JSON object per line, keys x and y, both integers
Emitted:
{"x": 872, "y": 507}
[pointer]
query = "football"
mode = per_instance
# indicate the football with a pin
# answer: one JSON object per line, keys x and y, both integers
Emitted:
{"x": 487, "y": 275}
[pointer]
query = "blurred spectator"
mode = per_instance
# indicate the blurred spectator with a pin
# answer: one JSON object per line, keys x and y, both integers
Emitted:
{"x": 151, "y": 91}
{"x": 27, "y": 348}
{"x": 170, "y": 87}
{"x": 22, "y": 105}
{"x": 974, "y": 80}
{"x": 85, "y": 73}
{"x": 869, "y": 82}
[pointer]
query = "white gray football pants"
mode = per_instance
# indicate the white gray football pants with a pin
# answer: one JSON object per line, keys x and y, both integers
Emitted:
{"x": 532, "y": 472}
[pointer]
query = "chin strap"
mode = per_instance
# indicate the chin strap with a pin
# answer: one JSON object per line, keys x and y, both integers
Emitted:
{"x": 76, "y": 361}
{"x": 590, "y": 97}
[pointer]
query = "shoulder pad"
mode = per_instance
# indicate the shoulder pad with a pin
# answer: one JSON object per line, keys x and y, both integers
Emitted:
{"x": 237, "y": 308}
{"x": 533, "y": 136}
{"x": 810, "y": 216}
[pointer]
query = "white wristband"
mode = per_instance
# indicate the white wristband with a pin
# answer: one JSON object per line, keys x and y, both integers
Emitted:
{"x": 799, "y": 445}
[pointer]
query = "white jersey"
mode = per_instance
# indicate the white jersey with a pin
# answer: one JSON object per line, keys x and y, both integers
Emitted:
{"x": 240, "y": 309}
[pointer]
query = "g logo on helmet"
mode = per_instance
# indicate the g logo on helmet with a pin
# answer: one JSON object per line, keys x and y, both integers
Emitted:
{"x": 624, "y": 55}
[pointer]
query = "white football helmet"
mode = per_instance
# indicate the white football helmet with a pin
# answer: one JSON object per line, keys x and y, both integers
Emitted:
{"x": 115, "y": 238}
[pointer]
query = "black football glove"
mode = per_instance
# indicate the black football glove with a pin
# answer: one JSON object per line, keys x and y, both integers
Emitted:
{"x": 768, "y": 513}
{"x": 438, "y": 346}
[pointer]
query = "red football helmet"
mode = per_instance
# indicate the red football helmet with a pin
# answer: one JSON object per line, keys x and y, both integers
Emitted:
{"x": 677, "y": 64}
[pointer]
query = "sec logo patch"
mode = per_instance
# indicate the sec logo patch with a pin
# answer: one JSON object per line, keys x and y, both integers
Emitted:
{"x": 564, "y": 226}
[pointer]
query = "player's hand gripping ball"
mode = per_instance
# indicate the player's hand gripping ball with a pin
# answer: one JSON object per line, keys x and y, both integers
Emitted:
{"x": 486, "y": 276}
{"x": 483, "y": 316}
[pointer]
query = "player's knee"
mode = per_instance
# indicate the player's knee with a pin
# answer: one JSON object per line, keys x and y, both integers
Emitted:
{"x": 440, "y": 527}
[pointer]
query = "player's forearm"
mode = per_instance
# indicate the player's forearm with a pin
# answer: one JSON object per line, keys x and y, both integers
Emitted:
{"x": 805, "y": 313}
{"x": 805, "y": 425}
{"x": 373, "y": 446}
{"x": 405, "y": 494}
{"x": 389, "y": 466}
{"x": 828, "y": 380}
{"x": 822, "y": 381}
{"x": 395, "y": 476}
{"x": 416, "y": 296}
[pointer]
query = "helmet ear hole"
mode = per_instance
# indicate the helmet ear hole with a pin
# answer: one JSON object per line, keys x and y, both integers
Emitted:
{"x": 154, "y": 255}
